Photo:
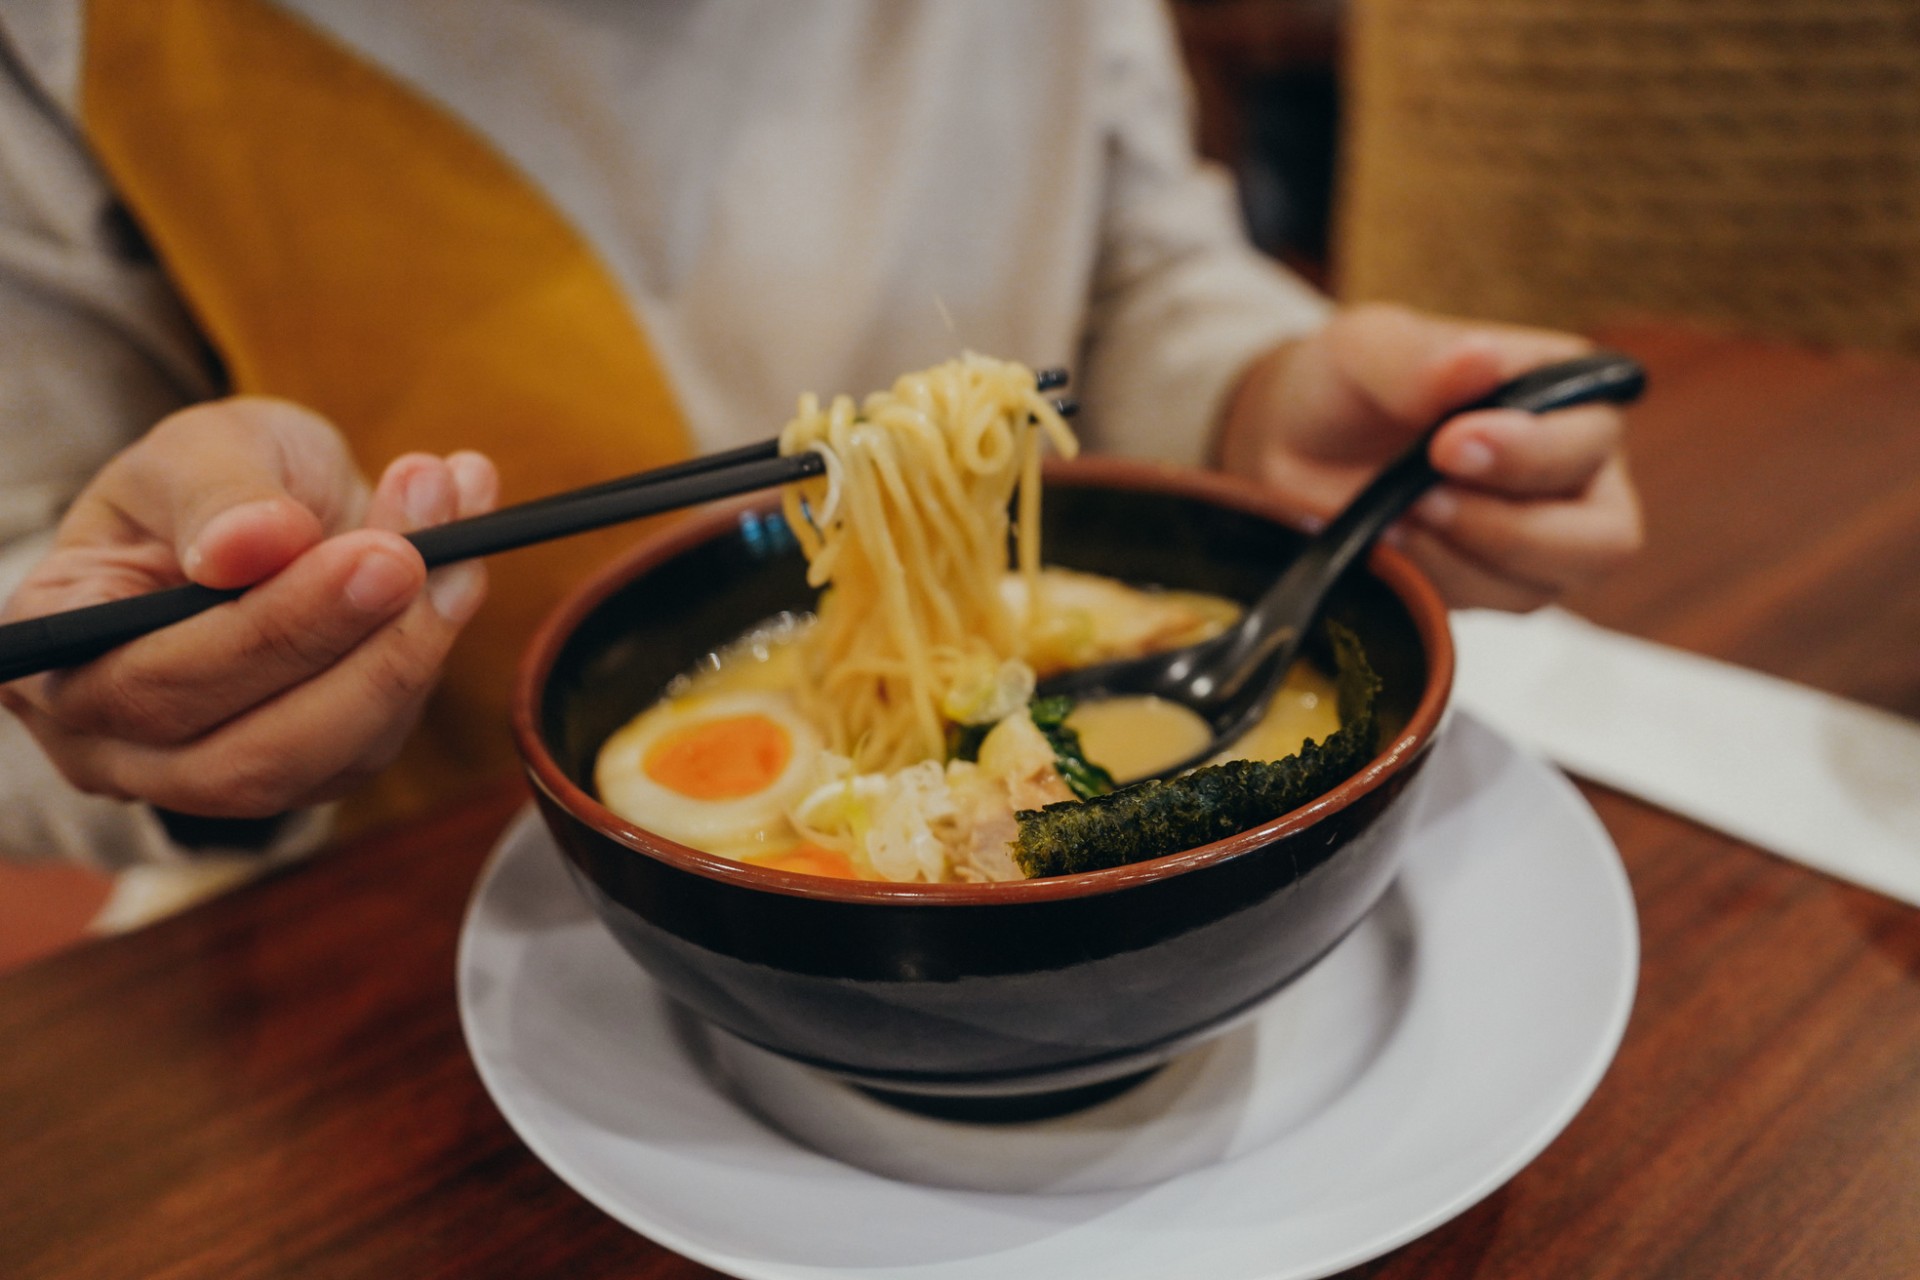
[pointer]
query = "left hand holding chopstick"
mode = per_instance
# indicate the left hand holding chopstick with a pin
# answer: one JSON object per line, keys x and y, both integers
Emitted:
{"x": 306, "y": 684}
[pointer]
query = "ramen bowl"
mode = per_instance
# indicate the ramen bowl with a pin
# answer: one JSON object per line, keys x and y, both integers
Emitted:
{"x": 991, "y": 997}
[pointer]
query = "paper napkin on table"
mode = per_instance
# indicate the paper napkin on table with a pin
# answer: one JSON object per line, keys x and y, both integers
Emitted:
{"x": 1828, "y": 782}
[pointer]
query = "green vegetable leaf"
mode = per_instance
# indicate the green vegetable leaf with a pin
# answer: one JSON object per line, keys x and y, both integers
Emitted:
{"x": 1083, "y": 777}
{"x": 1050, "y": 713}
{"x": 963, "y": 740}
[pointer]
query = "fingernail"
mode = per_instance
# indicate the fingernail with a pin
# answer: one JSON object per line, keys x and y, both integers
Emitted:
{"x": 379, "y": 582}
{"x": 1437, "y": 509}
{"x": 474, "y": 481}
{"x": 219, "y": 527}
{"x": 457, "y": 590}
{"x": 428, "y": 497}
{"x": 1474, "y": 458}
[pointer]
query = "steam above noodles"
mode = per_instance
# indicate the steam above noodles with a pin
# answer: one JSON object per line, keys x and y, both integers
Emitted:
{"x": 908, "y": 535}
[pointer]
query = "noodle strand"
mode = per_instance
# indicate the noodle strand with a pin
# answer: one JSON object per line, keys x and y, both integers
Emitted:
{"x": 909, "y": 535}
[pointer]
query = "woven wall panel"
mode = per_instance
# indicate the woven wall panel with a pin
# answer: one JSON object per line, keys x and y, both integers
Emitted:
{"x": 1754, "y": 163}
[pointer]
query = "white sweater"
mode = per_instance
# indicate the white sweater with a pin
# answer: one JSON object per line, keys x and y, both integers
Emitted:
{"x": 794, "y": 195}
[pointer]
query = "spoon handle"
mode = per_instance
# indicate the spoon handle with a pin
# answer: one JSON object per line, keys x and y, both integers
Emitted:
{"x": 1280, "y": 615}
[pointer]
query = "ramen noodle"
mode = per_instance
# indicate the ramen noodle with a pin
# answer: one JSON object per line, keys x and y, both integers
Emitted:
{"x": 908, "y": 537}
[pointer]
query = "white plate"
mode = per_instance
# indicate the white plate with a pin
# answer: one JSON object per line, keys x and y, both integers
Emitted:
{"x": 1492, "y": 986}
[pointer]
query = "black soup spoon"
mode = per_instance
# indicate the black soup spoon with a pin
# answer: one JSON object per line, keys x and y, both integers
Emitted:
{"x": 1230, "y": 679}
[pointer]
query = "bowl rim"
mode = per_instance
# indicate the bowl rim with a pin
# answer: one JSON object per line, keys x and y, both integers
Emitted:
{"x": 1386, "y": 563}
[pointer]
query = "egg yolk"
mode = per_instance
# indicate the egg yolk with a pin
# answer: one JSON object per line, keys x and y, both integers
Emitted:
{"x": 722, "y": 759}
{"x": 812, "y": 860}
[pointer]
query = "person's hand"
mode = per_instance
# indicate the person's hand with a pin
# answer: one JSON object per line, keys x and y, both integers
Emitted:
{"x": 301, "y": 688}
{"x": 1530, "y": 506}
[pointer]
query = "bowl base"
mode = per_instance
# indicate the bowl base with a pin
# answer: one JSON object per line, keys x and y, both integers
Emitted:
{"x": 1232, "y": 1094}
{"x": 1140, "y": 1129}
{"x": 1013, "y": 1108}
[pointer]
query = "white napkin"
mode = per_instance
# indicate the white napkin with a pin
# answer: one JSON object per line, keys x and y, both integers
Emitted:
{"x": 1828, "y": 782}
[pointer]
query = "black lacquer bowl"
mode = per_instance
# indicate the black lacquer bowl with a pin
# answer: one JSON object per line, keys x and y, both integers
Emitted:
{"x": 976, "y": 992}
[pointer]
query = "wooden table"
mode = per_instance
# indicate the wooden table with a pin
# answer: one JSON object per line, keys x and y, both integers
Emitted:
{"x": 274, "y": 1084}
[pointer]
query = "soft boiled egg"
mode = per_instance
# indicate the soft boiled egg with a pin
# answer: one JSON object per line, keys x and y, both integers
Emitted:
{"x": 710, "y": 771}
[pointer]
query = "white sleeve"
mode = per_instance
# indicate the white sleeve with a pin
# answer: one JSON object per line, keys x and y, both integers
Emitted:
{"x": 94, "y": 348}
{"x": 1181, "y": 303}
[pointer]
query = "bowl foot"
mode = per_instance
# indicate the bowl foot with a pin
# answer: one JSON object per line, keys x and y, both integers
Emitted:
{"x": 1113, "y": 1135}
{"x": 1013, "y": 1108}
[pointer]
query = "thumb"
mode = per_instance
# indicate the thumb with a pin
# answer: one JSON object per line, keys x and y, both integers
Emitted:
{"x": 1416, "y": 368}
{"x": 236, "y": 488}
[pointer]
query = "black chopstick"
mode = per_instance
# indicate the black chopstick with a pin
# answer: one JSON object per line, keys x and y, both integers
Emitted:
{"x": 67, "y": 639}
{"x": 1044, "y": 380}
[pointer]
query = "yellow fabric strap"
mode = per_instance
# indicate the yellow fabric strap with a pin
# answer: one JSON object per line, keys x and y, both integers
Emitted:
{"x": 346, "y": 243}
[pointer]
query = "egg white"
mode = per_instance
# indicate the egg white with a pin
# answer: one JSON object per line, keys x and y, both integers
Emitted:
{"x": 719, "y": 826}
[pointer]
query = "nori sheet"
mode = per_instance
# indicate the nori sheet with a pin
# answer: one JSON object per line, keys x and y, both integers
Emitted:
{"x": 1152, "y": 818}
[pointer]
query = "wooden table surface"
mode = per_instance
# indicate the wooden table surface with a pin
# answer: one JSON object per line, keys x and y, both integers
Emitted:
{"x": 274, "y": 1084}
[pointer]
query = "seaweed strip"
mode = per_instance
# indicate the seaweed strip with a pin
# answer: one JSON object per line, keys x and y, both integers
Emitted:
{"x": 1153, "y": 818}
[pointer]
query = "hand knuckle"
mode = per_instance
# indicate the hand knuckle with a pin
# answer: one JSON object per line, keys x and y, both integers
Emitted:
{"x": 399, "y": 672}
{"x": 78, "y": 775}
{"x": 255, "y": 783}
{"x": 121, "y": 700}
{"x": 291, "y": 648}
{"x": 84, "y": 766}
